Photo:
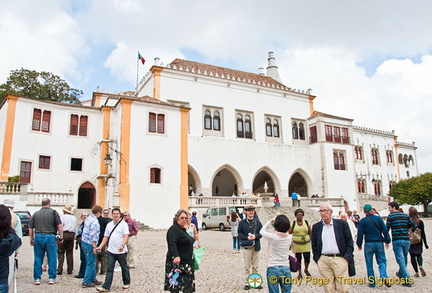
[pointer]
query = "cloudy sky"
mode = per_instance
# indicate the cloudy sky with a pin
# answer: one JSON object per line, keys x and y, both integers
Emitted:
{"x": 367, "y": 60}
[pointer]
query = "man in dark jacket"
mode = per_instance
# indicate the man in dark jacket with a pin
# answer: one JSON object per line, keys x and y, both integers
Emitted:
{"x": 332, "y": 247}
{"x": 375, "y": 234}
{"x": 248, "y": 231}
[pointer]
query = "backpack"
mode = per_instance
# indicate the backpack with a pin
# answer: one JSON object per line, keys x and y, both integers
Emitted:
{"x": 415, "y": 237}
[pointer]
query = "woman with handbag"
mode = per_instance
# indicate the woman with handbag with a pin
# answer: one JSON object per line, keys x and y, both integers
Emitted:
{"x": 416, "y": 249}
{"x": 278, "y": 266}
{"x": 301, "y": 232}
{"x": 179, "y": 264}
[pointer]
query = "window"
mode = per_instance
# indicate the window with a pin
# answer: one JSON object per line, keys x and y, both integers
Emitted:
{"x": 248, "y": 127}
{"x": 152, "y": 122}
{"x": 244, "y": 125}
{"x": 391, "y": 184}
{"x": 345, "y": 138}
{"x": 377, "y": 187}
{"x": 328, "y": 133}
{"x": 160, "y": 123}
{"x": 74, "y": 125}
{"x": 337, "y": 137}
{"x": 25, "y": 172}
{"x": 361, "y": 183}
{"x": 339, "y": 160}
{"x": 301, "y": 131}
{"x": 294, "y": 130}
{"x": 375, "y": 157}
{"x": 37, "y": 113}
{"x": 46, "y": 119}
{"x": 240, "y": 132}
{"x": 358, "y": 152}
{"x": 156, "y": 123}
{"x": 268, "y": 127}
{"x": 207, "y": 120}
{"x": 313, "y": 134}
{"x": 400, "y": 159}
{"x": 216, "y": 121}
{"x": 76, "y": 164}
{"x": 44, "y": 162}
{"x": 41, "y": 121}
{"x": 389, "y": 156}
{"x": 76, "y": 120}
{"x": 411, "y": 159}
{"x": 155, "y": 175}
{"x": 276, "y": 128}
{"x": 83, "y": 126}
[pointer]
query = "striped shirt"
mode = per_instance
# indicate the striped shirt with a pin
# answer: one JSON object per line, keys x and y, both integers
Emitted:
{"x": 400, "y": 223}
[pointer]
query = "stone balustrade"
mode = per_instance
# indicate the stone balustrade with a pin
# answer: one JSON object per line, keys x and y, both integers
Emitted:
{"x": 57, "y": 198}
{"x": 210, "y": 201}
{"x": 13, "y": 188}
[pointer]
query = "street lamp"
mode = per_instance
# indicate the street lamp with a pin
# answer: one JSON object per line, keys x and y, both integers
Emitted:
{"x": 108, "y": 159}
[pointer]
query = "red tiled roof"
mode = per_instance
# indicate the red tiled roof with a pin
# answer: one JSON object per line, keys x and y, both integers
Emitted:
{"x": 229, "y": 74}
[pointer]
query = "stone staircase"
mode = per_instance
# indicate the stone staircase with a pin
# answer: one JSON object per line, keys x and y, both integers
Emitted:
{"x": 267, "y": 213}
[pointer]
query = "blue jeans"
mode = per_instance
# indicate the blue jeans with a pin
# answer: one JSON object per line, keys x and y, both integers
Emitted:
{"x": 4, "y": 288}
{"x": 45, "y": 243}
{"x": 111, "y": 259}
{"x": 283, "y": 275}
{"x": 83, "y": 264}
{"x": 90, "y": 271}
{"x": 400, "y": 249}
{"x": 377, "y": 248}
{"x": 236, "y": 243}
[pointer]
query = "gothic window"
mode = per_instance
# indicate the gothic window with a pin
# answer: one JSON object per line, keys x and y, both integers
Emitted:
{"x": 301, "y": 131}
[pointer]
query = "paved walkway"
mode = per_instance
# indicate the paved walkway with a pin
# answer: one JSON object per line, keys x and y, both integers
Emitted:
{"x": 221, "y": 271}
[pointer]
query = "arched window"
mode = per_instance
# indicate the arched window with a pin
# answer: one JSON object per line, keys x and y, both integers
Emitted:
{"x": 207, "y": 120}
{"x": 216, "y": 121}
{"x": 389, "y": 156}
{"x": 400, "y": 159}
{"x": 276, "y": 128}
{"x": 240, "y": 131}
{"x": 377, "y": 187}
{"x": 301, "y": 131}
{"x": 374, "y": 154}
{"x": 406, "y": 161}
{"x": 295, "y": 130}
{"x": 411, "y": 159}
{"x": 268, "y": 127}
{"x": 248, "y": 127}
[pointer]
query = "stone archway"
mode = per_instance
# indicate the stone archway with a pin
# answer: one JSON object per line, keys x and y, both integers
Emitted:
{"x": 263, "y": 179}
{"x": 226, "y": 181}
{"x": 193, "y": 181}
{"x": 298, "y": 184}
{"x": 86, "y": 196}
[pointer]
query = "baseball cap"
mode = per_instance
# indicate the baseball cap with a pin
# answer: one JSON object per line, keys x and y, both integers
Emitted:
{"x": 367, "y": 208}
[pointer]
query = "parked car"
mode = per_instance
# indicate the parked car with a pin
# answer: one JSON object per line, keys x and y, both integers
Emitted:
{"x": 218, "y": 217}
{"x": 25, "y": 217}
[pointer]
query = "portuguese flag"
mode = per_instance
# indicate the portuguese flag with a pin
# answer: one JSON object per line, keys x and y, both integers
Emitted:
{"x": 141, "y": 58}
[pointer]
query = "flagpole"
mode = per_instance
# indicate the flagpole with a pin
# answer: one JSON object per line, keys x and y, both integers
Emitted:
{"x": 136, "y": 90}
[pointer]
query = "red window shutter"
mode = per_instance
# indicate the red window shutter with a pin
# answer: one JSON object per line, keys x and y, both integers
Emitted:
{"x": 345, "y": 138}
{"x": 161, "y": 123}
{"x": 73, "y": 125}
{"x": 44, "y": 162}
{"x": 46, "y": 120}
{"x": 152, "y": 175}
{"x": 152, "y": 122}
{"x": 336, "y": 161}
{"x": 341, "y": 162}
{"x": 313, "y": 134}
{"x": 155, "y": 175}
{"x": 83, "y": 126}
{"x": 37, "y": 113}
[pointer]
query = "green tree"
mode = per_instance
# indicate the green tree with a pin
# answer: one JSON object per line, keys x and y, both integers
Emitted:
{"x": 39, "y": 85}
{"x": 414, "y": 191}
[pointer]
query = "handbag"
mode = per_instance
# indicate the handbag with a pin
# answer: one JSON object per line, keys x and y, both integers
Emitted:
{"x": 294, "y": 264}
{"x": 198, "y": 254}
{"x": 247, "y": 243}
{"x": 415, "y": 237}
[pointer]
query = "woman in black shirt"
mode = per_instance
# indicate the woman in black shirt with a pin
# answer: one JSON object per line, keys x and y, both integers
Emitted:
{"x": 179, "y": 267}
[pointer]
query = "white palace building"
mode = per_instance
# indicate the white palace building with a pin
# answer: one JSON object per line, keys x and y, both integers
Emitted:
{"x": 193, "y": 126}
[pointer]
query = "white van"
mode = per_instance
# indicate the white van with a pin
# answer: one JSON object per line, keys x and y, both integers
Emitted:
{"x": 218, "y": 217}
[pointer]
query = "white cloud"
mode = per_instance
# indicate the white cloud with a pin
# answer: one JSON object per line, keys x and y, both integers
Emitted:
{"x": 318, "y": 44}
